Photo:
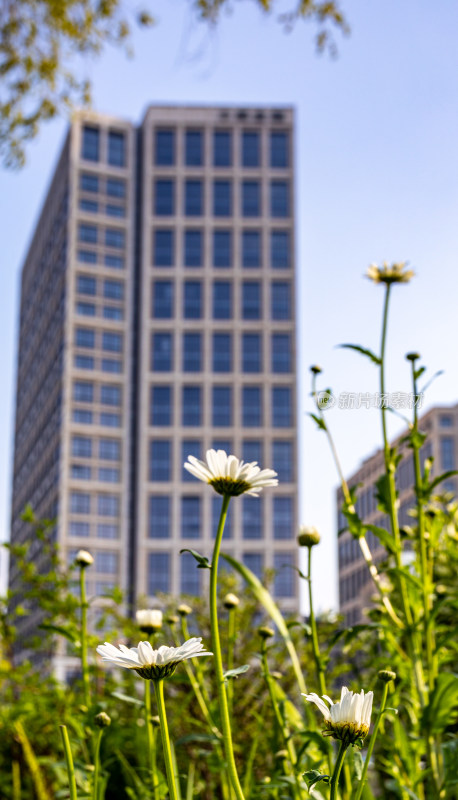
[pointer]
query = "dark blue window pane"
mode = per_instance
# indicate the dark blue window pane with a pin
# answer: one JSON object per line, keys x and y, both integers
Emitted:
{"x": 222, "y": 249}
{"x": 281, "y": 407}
{"x": 281, "y": 352}
{"x": 222, "y": 198}
{"x": 189, "y": 447}
{"x": 251, "y": 198}
{"x": 85, "y": 337}
{"x": 191, "y": 407}
{"x": 91, "y": 143}
{"x": 222, "y": 444}
{"x": 284, "y": 580}
{"x": 250, "y": 149}
{"x": 164, "y": 203}
{"x": 159, "y": 517}
{"x": 112, "y": 342}
{"x": 251, "y": 300}
{"x": 115, "y": 211}
{"x": 190, "y": 577}
{"x": 280, "y": 249}
{"x": 111, "y": 260}
{"x": 89, "y": 205}
{"x": 447, "y": 448}
{"x": 163, "y": 248}
{"x": 222, "y": 149}
{"x": 110, "y": 395}
{"x": 283, "y": 517}
{"x": 192, "y": 300}
{"x": 279, "y": 199}
{"x": 165, "y": 148}
{"x": 162, "y": 299}
{"x": 116, "y": 149}
{"x": 113, "y": 290}
{"x": 162, "y": 352}
{"x": 86, "y": 285}
{"x": 279, "y": 149}
{"x": 252, "y": 517}
{"x": 193, "y": 198}
{"x": 251, "y": 249}
{"x": 86, "y": 309}
{"x": 160, "y": 462}
{"x": 114, "y": 238}
{"x": 89, "y": 183}
{"x": 222, "y": 352}
{"x": 161, "y": 405}
{"x": 280, "y": 300}
{"x": 222, "y": 300}
{"x": 251, "y": 406}
{"x": 222, "y": 406}
{"x": 193, "y": 248}
{"x": 87, "y": 257}
{"x": 216, "y": 512}
{"x": 116, "y": 188}
{"x": 255, "y": 563}
{"x": 158, "y": 573}
{"x": 192, "y": 352}
{"x": 87, "y": 233}
{"x": 194, "y": 148}
{"x": 83, "y": 392}
{"x": 190, "y": 517}
{"x": 252, "y": 451}
{"x": 251, "y": 352}
{"x": 282, "y": 458}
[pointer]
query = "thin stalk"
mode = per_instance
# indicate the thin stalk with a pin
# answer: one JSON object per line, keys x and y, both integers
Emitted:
{"x": 370, "y": 749}
{"x": 151, "y": 740}
{"x": 95, "y": 787}
{"x": 190, "y": 781}
{"x": 231, "y": 636}
{"x": 84, "y": 662}
{"x": 197, "y": 666}
{"x": 315, "y": 644}
{"x": 16, "y": 780}
{"x": 159, "y": 690}
{"x": 216, "y": 648}
{"x": 69, "y": 761}
{"x": 337, "y": 769}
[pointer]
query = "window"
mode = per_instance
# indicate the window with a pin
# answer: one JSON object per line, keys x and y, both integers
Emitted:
{"x": 194, "y": 148}
{"x": 116, "y": 188}
{"x": 192, "y": 300}
{"x": 87, "y": 256}
{"x": 164, "y": 205}
{"x": 222, "y": 444}
{"x": 281, "y": 407}
{"x": 222, "y": 300}
{"x": 222, "y": 352}
{"x": 283, "y": 517}
{"x": 279, "y": 198}
{"x": 86, "y": 285}
{"x": 106, "y": 562}
{"x": 447, "y": 446}
{"x": 85, "y": 337}
{"x": 162, "y": 352}
{"x": 163, "y": 248}
{"x": 251, "y": 406}
{"x": 108, "y": 505}
{"x": 222, "y": 406}
{"x": 83, "y": 392}
{"x": 82, "y": 415}
{"x": 90, "y": 143}
{"x": 255, "y": 563}
{"x": 222, "y": 149}
{"x": 113, "y": 365}
{"x": 222, "y": 248}
{"x": 113, "y": 312}
{"x": 191, "y": 407}
{"x": 281, "y": 352}
{"x": 282, "y": 458}
{"x": 110, "y": 420}
{"x": 279, "y": 149}
{"x": 116, "y": 149}
{"x": 89, "y": 183}
{"x": 112, "y": 342}
{"x": 280, "y": 300}
{"x": 193, "y": 248}
{"x": 163, "y": 299}
{"x": 161, "y": 405}
{"x": 85, "y": 309}
{"x": 84, "y": 362}
{"x": 252, "y": 524}
{"x": 165, "y": 148}
{"x": 280, "y": 250}
{"x": 189, "y": 447}
{"x": 158, "y": 573}
{"x": 111, "y": 260}
{"x": 114, "y": 238}
{"x": 192, "y": 352}
{"x": 250, "y": 149}
{"x": 110, "y": 449}
{"x": 284, "y": 580}
{"x": 222, "y": 198}
{"x": 107, "y": 530}
{"x": 193, "y": 198}
{"x": 110, "y": 395}
{"x": 251, "y": 249}
{"x": 81, "y": 447}
{"x": 190, "y": 575}
{"x": 251, "y": 352}
{"x": 190, "y": 517}
{"x": 113, "y": 290}
{"x": 115, "y": 210}
{"x": 216, "y": 512}
{"x": 79, "y": 528}
{"x": 87, "y": 233}
{"x": 159, "y": 517}
{"x": 80, "y": 503}
{"x": 252, "y": 450}
{"x": 109, "y": 474}
{"x": 89, "y": 205}
{"x": 251, "y": 198}
{"x": 160, "y": 460}
{"x": 445, "y": 421}
{"x": 251, "y": 300}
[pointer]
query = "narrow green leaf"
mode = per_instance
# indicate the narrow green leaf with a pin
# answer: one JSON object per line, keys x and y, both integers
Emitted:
{"x": 318, "y": 421}
{"x": 127, "y": 698}
{"x": 234, "y": 673}
{"x": 442, "y": 709}
{"x": 364, "y": 352}
{"x": 60, "y": 630}
{"x": 202, "y": 561}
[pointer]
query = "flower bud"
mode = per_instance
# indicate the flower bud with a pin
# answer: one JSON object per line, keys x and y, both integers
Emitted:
{"x": 315, "y": 369}
{"x": 172, "y": 619}
{"x": 412, "y": 356}
{"x": 102, "y": 720}
{"x": 231, "y": 601}
{"x": 386, "y": 675}
{"x": 149, "y": 620}
{"x": 308, "y": 536}
{"x": 265, "y": 632}
{"x": 281, "y": 754}
{"x": 184, "y": 610}
{"x": 84, "y": 559}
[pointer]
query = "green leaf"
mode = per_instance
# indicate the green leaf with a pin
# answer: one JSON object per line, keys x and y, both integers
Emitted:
{"x": 442, "y": 709}
{"x": 234, "y": 673}
{"x": 439, "y": 479}
{"x": 450, "y": 756}
{"x": 382, "y": 493}
{"x": 357, "y": 763}
{"x": 364, "y": 351}
{"x": 384, "y": 537}
{"x": 321, "y": 424}
{"x": 127, "y": 698}
{"x": 202, "y": 561}
{"x": 313, "y": 776}
{"x": 60, "y": 630}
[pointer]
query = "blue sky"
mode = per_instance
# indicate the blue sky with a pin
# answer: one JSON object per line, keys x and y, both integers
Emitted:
{"x": 377, "y": 179}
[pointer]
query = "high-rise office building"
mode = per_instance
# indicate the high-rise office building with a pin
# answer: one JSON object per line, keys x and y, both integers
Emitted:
{"x": 355, "y": 585}
{"x": 157, "y": 321}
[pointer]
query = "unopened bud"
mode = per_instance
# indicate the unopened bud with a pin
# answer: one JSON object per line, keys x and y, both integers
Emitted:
{"x": 102, "y": 720}
{"x": 308, "y": 536}
{"x": 386, "y": 675}
{"x": 149, "y": 620}
{"x": 84, "y": 559}
{"x": 281, "y": 754}
{"x": 412, "y": 356}
{"x": 184, "y": 610}
{"x": 315, "y": 369}
{"x": 231, "y": 601}
{"x": 265, "y": 632}
{"x": 172, "y": 619}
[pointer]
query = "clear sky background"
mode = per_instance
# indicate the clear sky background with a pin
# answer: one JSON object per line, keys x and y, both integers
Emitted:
{"x": 377, "y": 179}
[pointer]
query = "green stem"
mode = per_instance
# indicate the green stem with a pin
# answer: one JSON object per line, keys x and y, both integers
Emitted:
{"x": 159, "y": 690}
{"x": 370, "y": 749}
{"x": 231, "y": 636}
{"x": 151, "y": 740}
{"x": 216, "y": 648}
{"x": 337, "y": 769}
{"x": 315, "y": 644}
{"x": 69, "y": 761}
{"x": 95, "y": 788}
{"x": 84, "y": 662}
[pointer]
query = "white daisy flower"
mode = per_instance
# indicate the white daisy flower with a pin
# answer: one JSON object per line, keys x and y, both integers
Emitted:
{"x": 230, "y": 476}
{"x": 151, "y": 664}
{"x": 347, "y": 720}
{"x": 149, "y": 620}
{"x": 390, "y": 273}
